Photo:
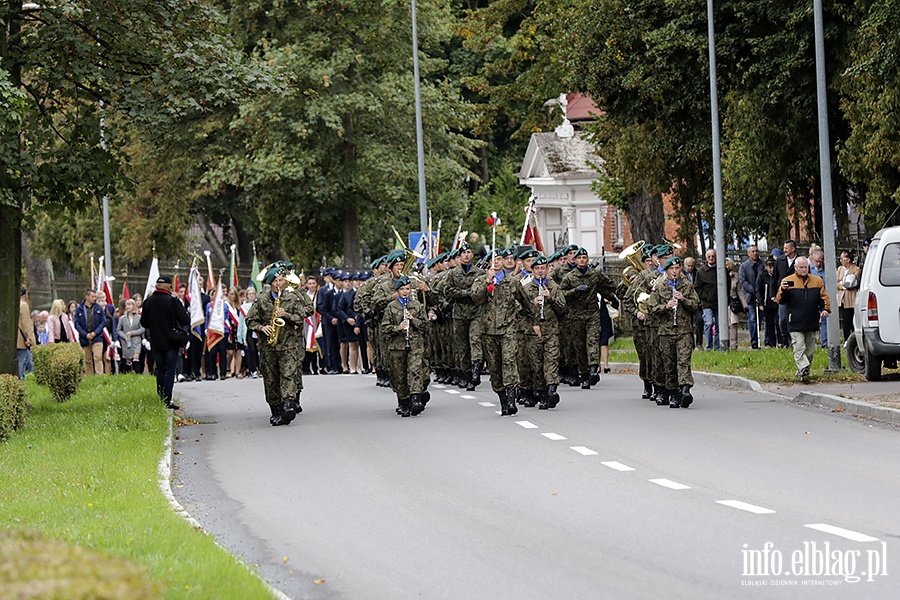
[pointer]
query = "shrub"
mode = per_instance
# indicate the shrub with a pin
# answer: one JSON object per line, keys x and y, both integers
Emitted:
{"x": 34, "y": 567}
{"x": 66, "y": 368}
{"x": 40, "y": 356}
{"x": 13, "y": 405}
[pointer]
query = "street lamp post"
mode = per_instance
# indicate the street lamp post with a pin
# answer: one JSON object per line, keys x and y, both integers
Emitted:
{"x": 420, "y": 143}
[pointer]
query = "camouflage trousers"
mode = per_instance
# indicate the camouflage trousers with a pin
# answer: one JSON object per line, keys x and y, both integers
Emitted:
{"x": 500, "y": 351}
{"x": 675, "y": 359}
{"x": 375, "y": 340}
{"x": 406, "y": 369}
{"x": 526, "y": 378}
{"x": 281, "y": 371}
{"x": 542, "y": 359}
{"x": 566, "y": 343}
{"x": 586, "y": 340}
{"x": 642, "y": 346}
{"x": 657, "y": 368}
{"x": 467, "y": 343}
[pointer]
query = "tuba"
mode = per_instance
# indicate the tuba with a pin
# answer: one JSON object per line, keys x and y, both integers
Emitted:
{"x": 632, "y": 254}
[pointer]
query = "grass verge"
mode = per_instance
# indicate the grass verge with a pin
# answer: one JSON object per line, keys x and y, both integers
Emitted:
{"x": 766, "y": 365}
{"x": 86, "y": 472}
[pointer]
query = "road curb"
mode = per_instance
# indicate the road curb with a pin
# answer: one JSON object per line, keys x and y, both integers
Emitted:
{"x": 164, "y": 480}
{"x": 851, "y": 407}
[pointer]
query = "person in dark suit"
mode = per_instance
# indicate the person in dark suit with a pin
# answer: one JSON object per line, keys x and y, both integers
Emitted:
{"x": 350, "y": 324}
{"x": 330, "y": 321}
{"x": 162, "y": 314}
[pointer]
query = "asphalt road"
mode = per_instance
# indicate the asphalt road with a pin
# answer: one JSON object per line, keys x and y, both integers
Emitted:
{"x": 608, "y": 496}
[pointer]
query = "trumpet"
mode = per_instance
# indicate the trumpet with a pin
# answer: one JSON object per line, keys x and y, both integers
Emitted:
{"x": 276, "y": 323}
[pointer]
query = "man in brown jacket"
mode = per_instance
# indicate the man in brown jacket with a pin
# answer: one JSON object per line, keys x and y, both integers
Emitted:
{"x": 25, "y": 338}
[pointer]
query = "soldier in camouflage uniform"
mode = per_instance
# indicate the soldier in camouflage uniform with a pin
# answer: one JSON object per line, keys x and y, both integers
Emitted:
{"x": 525, "y": 389}
{"x": 674, "y": 301}
{"x": 281, "y": 364}
{"x": 543, "y": 303}
{"x": 403, "y": 328}
{"x": 580, "y": 287}
{"x": 383, "y": 293}
{"x": 663, "y": 253}
{"x": 639, "y": 324}
{"x": 497, "y": 290}
{"x": 568, "y": 367}
{"x": 467, "y": 324}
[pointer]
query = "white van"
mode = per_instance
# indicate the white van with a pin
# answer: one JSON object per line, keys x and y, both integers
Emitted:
{"x": 876, "y": 337}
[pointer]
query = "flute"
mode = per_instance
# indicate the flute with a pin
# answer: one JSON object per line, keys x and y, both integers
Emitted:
{"x": 406, "y": 318}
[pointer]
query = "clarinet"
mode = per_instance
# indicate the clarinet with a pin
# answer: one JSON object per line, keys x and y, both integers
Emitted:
{"x": 543, "y": 299}
{"x": 406, "y": 318}
{"x": 675, "y": 309}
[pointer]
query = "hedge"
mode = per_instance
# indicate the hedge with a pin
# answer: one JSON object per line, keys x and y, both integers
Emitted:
{"x": 40, "y": 357}
{"x": 35, "y": 567}
{"x": 66, "y": 369}
{"x": 13, "y": 405}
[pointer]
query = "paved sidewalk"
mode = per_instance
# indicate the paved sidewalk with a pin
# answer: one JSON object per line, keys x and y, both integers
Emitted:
{"x": 871, "y": 399}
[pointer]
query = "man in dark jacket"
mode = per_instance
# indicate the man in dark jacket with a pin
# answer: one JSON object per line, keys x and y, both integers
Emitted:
{"x": 162, "y": 315}
{"x": 90, "y": 319}
{"x": 706, "y": 284}
{"x": 806, "y": 301}
{"x": 747, "y": 275}
{"x": 784, "y": 266}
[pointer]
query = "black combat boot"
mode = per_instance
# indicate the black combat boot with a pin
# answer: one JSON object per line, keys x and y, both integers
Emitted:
{"x": 543, "y": 399}
{"x": 684, "y": 396}
{"x": 475, "y": 379}
{"x": 504, "y": 407}
{"x": 552, "y": 395}
{"x": 532, "y": 396}
{"x": 296, "y": 404}
{"x": 674, "y": 398}
{"x": 654, "y": 393}
{"x": 648, "y": 390}
{"x": 287, "y": 411}
{"x": 415, "y": 404}
{"x": 277, "y": 417}
{"x": 662, "y": 396}
{"x": 585, "y": 382}
{"x": 573, "y": 376}
{"x": 511, "y": 400}
{"x": 462, "y": 381}
{"x": 595, "y": 375}
{"x": 405, "y": 406}
{"x": 518, "y": 394}
{"x": 424, "y": 397}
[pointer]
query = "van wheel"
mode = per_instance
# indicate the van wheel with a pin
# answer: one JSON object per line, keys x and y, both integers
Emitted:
{"x": 873, "y": 367}
{"x": 856, "y": 358}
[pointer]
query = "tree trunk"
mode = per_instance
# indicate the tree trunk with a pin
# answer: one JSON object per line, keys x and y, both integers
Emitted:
{"x": 10, "y": 282}
{"x": 645, "y": 217}
{"x": 219, "y": 257}
{"x": 40, "y": 284}
{"x": 350, "y": 227}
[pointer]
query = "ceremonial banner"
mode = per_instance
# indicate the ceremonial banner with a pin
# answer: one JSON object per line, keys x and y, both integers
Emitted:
{"x": 254, "y": 271}
{"x": 215, "y": 330}
{"x": 151, "y": 278}
{"x": 195, "y": 297}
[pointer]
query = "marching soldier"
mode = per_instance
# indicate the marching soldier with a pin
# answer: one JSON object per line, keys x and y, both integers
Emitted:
{"x": 543, "y": 303}
{"x": 497, "y": 290}
{"x": 565, "y": 262}
{"x": 403, "y": 328}
{"x": 466, "y": 320}
{"x": 674, "y": 301}
{"x": 581, "y": 286}
{"x": 525, "y": 389}
{"x": 277, "y": 316}
{"x": 638, "y": 312}
{"x": 362, "y": 304}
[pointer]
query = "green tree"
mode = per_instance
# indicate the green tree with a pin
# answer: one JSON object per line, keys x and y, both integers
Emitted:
{"x": 150, "y": 63}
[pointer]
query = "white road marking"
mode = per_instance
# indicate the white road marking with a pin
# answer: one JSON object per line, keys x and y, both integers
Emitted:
{"x": 488, "y": 404}
{"x": 553, "y": 436}
{"x": 468, "y": 397}
{"x": 498, "y": 412}
{"x": 583, "y": 451}
{"x": 438, "y": 386}
{"x": 757, "y": 510}
{"x": 844, "y": 533}
{"x": 526, "y": 424}
{"x": 452, "y": 391}
{"x": 614, "y": 464}
{"x": 672, "y": 485}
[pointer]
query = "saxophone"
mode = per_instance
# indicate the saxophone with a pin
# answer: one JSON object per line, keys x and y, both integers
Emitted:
{"x": 276, "y": 323}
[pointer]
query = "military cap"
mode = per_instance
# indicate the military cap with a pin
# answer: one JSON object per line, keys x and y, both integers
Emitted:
{"x": 554, "y": 256}
{"x": 395, "y": 256}
{"x": 664, "y": 250}
{"x": 273, "y": 272}
{"x": 646, "y": 253}
{"x": 672, "y": 261}
{"x": 540, "y": 260}
{"x": 452, "y": 254}
{"x": 654, "y": 250}
{"x": 163, "y": 279}
{"x": 401, "y": 282}
{"x": 528, "y": 253}
{"x": 377, "y": 262}
{"x": 581, "y": 252}
{"x": 570, "y": 248}
{"x": 506, "y": 252}
{"x": 463, "y": 247}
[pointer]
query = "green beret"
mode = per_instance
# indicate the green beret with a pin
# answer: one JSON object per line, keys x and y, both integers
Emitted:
{"x": 672, "y": 261}
{"x": 463, "y": 247}
{"x": 395, "y": 256}
{"x": 401, "y": 282}
{"x": 507, "y": 252}
{"x": 664, "y": 250}
{"x": 645, "y": 254}
{"x": 581, "y": 252}
{"x": 540, "y": 260}
{"x": 528, "y": 253}
{"x": 570, "y": 248}
{"x": 653, "y": 250}
{"x": 452, "y": 254}
{"x": 272, "y": 273}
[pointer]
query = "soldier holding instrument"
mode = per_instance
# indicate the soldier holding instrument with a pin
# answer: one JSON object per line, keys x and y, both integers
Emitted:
{"x": 403, "y": 329}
